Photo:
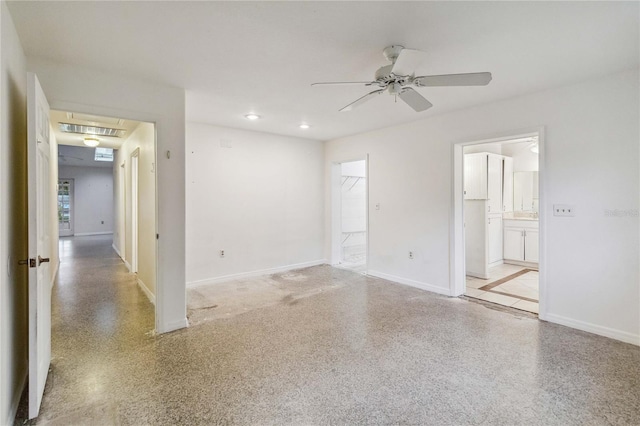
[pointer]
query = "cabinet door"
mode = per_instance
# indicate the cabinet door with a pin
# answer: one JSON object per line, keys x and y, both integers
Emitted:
{"x": 514, "y": 244}
{"x": 475, "y": 177}
{"x": 494, "y": 183}
{"x": 495, "y": 239}
{"x": 507, "y": 184}
{"x": 531, "y": 237}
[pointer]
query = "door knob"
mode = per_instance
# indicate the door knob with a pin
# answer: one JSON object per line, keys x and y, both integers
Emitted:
{"x": 42, "y": 260}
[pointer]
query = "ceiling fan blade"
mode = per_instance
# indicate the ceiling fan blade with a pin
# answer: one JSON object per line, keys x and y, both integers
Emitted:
{"x": 338, "y": 83}
{"x": 469, "y": 79}
{"x": 408, "y": 61}
{"x": 361, "y": 100}
{"x": 414, "y": 99}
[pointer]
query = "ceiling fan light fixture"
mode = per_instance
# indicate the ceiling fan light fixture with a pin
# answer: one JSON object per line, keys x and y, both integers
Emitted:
{"x": 252, "y": 117}
{"x": 92, "y": 142}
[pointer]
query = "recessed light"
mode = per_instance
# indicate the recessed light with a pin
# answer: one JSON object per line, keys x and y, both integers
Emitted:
{"x": 252, "y": 116}
{"x": 92, "y": 142}
{"x": 304, "y": 126}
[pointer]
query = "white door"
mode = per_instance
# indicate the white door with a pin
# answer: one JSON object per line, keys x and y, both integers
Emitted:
{"x": 495, "y": 239}
{"x": 134, "y": 210}
{"x": 507, "y": 184}
{"x": 513, "y": 244}
{"x": 531, "y": 245}
{"x": 494, "y": 183}
{"x": 38, "y": 163}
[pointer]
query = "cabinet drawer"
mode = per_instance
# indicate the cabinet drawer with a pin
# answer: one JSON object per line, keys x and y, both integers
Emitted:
{"x": 514, "y": 223}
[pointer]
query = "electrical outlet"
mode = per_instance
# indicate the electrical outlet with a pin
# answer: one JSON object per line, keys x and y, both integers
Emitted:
{"x": 102, "y": 222}
{"x": 410, "y": 255}
{"x": 221, "y": 253}
{"x": 563, "y": 210}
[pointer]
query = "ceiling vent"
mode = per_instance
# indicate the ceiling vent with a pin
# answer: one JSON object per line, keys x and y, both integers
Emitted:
{"x": 95, "y": 119}
{"x": 91, "y": 130}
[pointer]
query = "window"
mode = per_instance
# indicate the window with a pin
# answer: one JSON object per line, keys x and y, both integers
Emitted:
{"x": 104, "y": 154}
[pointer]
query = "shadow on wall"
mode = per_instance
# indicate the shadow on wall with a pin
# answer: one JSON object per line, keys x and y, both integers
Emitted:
{"x": 17, "y": 285}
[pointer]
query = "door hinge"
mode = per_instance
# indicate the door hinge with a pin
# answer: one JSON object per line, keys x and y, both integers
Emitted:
{"x": 157, "y": 236}
{"x": 30, "y": 262}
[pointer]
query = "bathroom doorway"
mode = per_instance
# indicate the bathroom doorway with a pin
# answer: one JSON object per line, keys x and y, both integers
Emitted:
{"x": 501, "y": 205}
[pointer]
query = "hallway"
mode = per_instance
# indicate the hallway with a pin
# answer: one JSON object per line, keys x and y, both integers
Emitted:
{"x": 359, "y": 351}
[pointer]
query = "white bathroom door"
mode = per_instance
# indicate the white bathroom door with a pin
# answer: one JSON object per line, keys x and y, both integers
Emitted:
{"x": 39, "y": 209}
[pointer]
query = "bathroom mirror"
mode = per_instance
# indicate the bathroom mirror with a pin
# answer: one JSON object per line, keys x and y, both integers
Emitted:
{"x": 525, "y": 192}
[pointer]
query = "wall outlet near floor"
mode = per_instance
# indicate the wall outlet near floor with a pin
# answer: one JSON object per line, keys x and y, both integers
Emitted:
{"x": 563, "y": 210}
{"x": 410, "y": 255}
{"x": 221, "y": 253}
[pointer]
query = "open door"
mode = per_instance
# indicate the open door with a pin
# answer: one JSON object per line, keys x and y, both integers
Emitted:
{"x": 38, "y": 163}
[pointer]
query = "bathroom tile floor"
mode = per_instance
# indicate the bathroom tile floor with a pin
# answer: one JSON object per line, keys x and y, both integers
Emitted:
{"x": 508, "y": 285}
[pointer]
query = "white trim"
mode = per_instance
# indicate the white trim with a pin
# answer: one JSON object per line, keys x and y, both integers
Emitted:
{"x": 268, "y": 271}
{"x": 113, "y": 246}
{"x": 127, "y": 265}
{"x": 56, "y": 268}
{"x": 530, "y": 265}
{"x": 423, "y": 286}
{"x": 146, "y": 291}
{"x": 86, "y": 234}
{"x": 612, "y": 333}
{"x": 176, "y": 325}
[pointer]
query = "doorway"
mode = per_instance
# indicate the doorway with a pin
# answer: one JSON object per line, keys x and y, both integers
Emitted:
{"x": 65, "y": 207}
{"x": 350, "y": 216}
{"x": 500, "y": 200}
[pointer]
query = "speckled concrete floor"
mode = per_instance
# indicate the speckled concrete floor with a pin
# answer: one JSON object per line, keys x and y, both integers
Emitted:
{"x": 366, "y": 352}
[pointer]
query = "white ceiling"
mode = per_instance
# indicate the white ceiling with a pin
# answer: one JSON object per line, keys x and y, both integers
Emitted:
{"x": 239, "y": 57}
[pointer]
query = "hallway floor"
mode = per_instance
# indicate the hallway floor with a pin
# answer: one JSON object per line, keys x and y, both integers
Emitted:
{"x": 360, "y": 351}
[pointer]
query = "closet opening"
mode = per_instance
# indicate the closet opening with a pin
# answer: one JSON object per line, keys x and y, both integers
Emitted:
{"x": 350, "y": 216}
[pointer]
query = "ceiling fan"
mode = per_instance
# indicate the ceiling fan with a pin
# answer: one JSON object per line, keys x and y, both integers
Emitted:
{"x": 398, "y": 79}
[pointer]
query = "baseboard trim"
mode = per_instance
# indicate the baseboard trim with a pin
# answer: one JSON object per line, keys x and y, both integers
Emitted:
{"x": 113, "y": 246}
{"x": 260, "y": 272}
{"x": 423, "y": 286}
{"x": 531, "y": 265}
{"x": 612, "y": 333}
{"x": 87, "y": 234}
{"x": 126, "y": 264}
{"x": 146, "y": 291}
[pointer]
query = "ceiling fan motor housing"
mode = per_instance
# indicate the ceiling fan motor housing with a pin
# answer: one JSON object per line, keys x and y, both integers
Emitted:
{"x": 392, "y": 52}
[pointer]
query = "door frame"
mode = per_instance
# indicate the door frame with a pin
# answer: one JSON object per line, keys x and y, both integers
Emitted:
{"x": 336, "y": 208}
{"x": 151, "y": 118}
{"x": 135, "y": 197}
{"x": 72, "y": 213}
{"x": 457, "y": 267}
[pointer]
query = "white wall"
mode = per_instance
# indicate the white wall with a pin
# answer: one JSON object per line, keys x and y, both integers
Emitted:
{"x": 591, "y": 148}
{"x": 92, "y": 198}
{"x": 260, "y": 200}
{"x": 71, "y": 88}
{"x": 142, "y": 139}
{"x": 13, "y": 231}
